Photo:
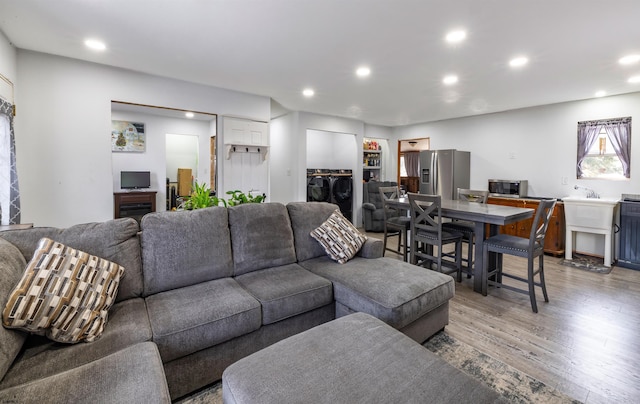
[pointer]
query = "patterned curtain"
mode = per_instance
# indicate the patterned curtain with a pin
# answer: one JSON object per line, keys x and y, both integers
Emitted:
{"x": 9, "y": 190}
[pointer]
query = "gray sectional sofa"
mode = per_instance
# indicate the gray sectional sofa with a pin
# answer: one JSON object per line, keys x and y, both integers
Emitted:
{"x": 203, "y": 289}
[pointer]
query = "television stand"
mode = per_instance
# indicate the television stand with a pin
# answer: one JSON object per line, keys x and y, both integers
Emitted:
{"x": 134, "y": 204}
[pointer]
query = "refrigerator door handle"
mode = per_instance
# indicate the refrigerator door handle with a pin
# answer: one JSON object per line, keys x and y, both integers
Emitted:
{"x": 434, "y": 174}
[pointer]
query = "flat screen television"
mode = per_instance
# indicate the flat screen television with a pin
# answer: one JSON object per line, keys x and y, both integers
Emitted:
{"x": 135, "y": 179}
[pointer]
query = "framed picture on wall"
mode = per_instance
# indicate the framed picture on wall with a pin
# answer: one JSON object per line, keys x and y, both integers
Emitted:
{"x": 128, "y": 137}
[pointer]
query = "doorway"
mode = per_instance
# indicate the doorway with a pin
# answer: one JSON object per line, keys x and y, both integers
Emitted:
{"x": 408, "y": 162}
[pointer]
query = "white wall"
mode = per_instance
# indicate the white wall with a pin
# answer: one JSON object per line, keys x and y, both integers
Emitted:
{"x": 62, "y": 127}
{"x": 8, "y": 65}
{"x": 331, "y": 150}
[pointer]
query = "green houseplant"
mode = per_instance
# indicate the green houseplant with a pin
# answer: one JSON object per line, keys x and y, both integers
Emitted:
{"x": 238, "y": 198}
{"x": 200, "y": 198}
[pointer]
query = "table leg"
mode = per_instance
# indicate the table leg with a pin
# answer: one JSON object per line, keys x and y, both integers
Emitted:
{"x": 479, "y": 265}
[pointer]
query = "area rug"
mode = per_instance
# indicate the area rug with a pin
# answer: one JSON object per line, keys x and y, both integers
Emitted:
{"x": 515, "y": 386}
{"x": 587, "y": 263}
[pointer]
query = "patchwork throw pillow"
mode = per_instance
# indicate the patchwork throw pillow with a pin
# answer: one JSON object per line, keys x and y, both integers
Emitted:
{"x": 339, "y": 238}
{"x": 64, "y": 294}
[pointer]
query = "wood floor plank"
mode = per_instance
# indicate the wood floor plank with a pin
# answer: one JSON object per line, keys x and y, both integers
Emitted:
{"x": 584, "y": 342}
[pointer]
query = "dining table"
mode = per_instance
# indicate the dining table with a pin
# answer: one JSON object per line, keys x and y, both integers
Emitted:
{"x": 482, "y": 214}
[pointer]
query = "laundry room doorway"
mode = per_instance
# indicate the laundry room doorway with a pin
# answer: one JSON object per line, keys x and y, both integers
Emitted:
{"x": 332, "y": 154}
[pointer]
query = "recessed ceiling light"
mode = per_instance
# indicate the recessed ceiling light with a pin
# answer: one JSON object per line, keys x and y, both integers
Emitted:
{"x": 308, "y": 92}
{"x": 518, "y": 62}
{"x": 363, "y": 71}
{"x": 456, "y": 36}
{"x": 95, "y": 44}
{"x": 634, "y": 80}
{"x": 600, "y": 93}
{"x": 189, "y": 114}
{"x": 450, "y": 79}
{"x": 629, "y": 59}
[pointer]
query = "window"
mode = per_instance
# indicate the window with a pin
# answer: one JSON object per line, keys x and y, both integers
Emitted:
{"x": 604, "y": 149}
{"x": 403, "y": 167}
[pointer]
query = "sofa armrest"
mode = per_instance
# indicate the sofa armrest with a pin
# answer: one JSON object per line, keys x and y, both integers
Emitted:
{"x": 369, "y": 206}
{"x": 372, "y": 248}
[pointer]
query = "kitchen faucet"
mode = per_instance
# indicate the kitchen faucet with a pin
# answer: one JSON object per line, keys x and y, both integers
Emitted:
{"x": 590, "y": 192}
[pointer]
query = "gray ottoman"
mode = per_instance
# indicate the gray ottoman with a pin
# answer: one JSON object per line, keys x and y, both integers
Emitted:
{"x": 354, "y": 359}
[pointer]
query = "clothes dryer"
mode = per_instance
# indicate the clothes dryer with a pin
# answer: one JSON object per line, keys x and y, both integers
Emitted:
{"x": 318, "y": 185}
{"x": 342, "y": 191}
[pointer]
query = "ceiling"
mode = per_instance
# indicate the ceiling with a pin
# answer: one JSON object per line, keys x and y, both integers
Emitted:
{"x": 277, "y": 48}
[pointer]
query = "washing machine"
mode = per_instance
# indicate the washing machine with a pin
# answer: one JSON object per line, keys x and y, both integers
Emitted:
{"x": 318, "y": 185}
{"x": 342, "y": 191}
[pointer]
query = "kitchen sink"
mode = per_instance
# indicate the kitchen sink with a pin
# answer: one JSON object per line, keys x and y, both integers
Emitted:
{"x": 589, "y": 215}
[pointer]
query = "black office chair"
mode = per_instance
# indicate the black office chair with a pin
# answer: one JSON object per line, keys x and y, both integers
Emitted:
{"x": 396, "y": 222}
{"x": 426, "y": 229}
{"x": 467, "y": 228}
{"x": 521, "y": 247}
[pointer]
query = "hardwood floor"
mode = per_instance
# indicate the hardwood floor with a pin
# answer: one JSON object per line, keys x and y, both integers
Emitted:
{"x": 585, "y": 342}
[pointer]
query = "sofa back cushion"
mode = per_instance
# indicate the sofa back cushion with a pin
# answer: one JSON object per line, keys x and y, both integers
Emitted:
{"x": 261, "y": 236}
{"x": 306, "y": 217}
{"x": 12, "y": 265}
{"x": 114, "y": 240}
{"x": 185, "y": 248}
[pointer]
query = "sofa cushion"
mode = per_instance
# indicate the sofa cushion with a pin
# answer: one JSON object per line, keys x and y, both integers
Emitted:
{"x": 195, "y": 317}
{"x": 339, "y": 238}
{"x": 286, "y": 291}
{"x": 261, "y": 236}
{"x": 185, "y": 248}
{"x": 394, "y": 291}
{"x": 114, "y": 240}
{"x": 128, "y": 325}
{"x": 131, "y": 375}
{"x": 12, "y": 265}
{"x": 64, "y": 293}
{"x": 305, "y": 217}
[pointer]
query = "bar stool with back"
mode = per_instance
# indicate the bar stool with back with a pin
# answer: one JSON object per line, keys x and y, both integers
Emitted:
{"x": 426, "y": 229}
{"x": 521, "y": 247}
{"x": 396, "y": 223}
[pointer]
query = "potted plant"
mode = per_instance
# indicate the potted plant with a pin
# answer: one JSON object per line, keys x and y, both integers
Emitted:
{"x": 238, "y": 198}
{"x": 201, "y": 197}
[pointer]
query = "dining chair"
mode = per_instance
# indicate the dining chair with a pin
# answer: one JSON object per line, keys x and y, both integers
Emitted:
{"x": 426, "y": 230}
{"x": 529, "y": 248}
{"x": 396, "y": 222}
{"x": 465, "y": 227}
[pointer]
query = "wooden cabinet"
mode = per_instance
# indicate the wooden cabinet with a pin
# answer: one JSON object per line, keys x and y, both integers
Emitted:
{"x": 555, "y": 238}
{"x": 133, "y": 204}
{"x": 411, "y": 184}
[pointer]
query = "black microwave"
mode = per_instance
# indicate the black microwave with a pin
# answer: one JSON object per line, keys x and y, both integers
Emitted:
{"x": 508, "y": 188}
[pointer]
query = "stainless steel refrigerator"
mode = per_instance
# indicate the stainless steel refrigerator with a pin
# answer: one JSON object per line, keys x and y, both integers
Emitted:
{"x": 442, "y": 172}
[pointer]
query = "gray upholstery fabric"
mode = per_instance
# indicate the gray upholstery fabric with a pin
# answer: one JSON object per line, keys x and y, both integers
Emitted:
{"x": 394, "y": 291}
{"x": 128, "y": 325}
{"x": 114, "y": 240}
{"x": 191, "y": 372}
{"x": 305, "y": 217}
{"x": 261, "y": 236}
{"x": 132, "y": 375}
{"x": 286, "y": 291}
{"x": 195, "y": 317}
{"x": 354, "y": 359}
{"x": 372, "y": 212}
{"x": 12, "y": 266}
{"x": 185, "y": 248}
